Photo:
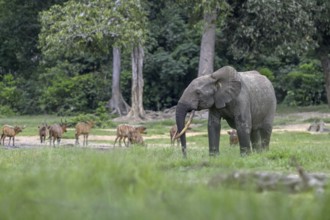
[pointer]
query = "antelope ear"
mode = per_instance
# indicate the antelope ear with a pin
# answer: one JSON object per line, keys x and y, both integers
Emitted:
{"x": 228, "y": 84}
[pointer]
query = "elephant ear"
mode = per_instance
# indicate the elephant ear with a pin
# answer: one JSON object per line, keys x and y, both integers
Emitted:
{"x": 228, "y": 85}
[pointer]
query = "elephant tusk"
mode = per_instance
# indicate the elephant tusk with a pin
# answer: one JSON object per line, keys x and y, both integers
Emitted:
{"x": 176, "y": 136}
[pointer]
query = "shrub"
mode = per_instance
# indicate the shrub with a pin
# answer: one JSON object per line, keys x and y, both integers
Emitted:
{"x": 305, "y": 85}
{"x": 9, "y": 96}
{"x": 70, "y": 95}
{"x": 267, "y": 72}
{"x": 101, "y": 118}
{"x": 6, "y": 111}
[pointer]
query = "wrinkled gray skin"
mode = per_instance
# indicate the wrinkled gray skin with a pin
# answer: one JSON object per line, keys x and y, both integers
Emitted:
{"x": 246, "y": 100}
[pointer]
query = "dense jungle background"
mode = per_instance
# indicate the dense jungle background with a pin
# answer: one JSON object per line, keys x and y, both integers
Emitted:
{"x": 77, "y": 60}
{"x": 47, "y": 66}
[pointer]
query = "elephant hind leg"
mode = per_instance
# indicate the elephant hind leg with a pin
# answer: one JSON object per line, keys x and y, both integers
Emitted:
{"x": 244, "y": 141}
{"x": 256, "y": 140}
{"x": 266, "y": 133}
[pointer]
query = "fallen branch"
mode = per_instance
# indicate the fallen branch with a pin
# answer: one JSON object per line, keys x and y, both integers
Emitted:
{"x": 270, "y": 181}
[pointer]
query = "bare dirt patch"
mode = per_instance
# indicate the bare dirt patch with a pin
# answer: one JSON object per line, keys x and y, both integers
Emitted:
{"x": 299, "y": 119}
{"x": 291, "y": 128}
{"x": 107, "y": 141}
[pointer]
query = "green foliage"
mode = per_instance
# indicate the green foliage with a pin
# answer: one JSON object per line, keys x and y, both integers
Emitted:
{"x": 19, "y": 29}
{"x": 91, "y": 26}
{"x": 69, "y": 95}
{"x": 19, "y": 54}
{"x": 100, "y": 117}
{"x": 270, "y": 27}
{"x": 6, "y": 111}
{"x": 172, "y": 57}
{"x": 81, "y": 118}
{"x": 305, "y": 85}
{"x": 9, "y": 96}
{"x": 8, "y": 88}
{"x": 69, "y": 38}
{"x": 76, "y": 39}
{"x": 321, "y": 15}
{"x": 267, "y": 72}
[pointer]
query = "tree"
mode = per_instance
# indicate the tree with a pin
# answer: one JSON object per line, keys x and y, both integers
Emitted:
{"x": 19, "y": 53}
{"x": 19, "y": 27}
{"x": 94, "y": 27}
{"x": 259, "y": 28}
{"x": 322, "y": 35}
{"x": 171, "y": 54}
{"x": 134, "y": 35}
{"x": 206, "y": 58}
{"x": 284, "y": 28}
{"x": 117, "y": 102}
{"x": 137, "y": 110}
{"x": 211, "y": 11}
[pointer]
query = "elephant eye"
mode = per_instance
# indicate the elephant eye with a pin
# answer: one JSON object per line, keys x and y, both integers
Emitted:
{"x": 198, "y": 92}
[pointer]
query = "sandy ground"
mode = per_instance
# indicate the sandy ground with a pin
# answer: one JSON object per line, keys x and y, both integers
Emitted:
{"x": 107, "y": 141}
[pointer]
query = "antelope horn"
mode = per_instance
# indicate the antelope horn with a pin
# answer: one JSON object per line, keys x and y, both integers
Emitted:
{"x": 185, "y": 127}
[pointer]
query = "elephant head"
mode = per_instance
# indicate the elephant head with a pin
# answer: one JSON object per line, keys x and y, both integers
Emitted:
{"x": 207, "y": 91}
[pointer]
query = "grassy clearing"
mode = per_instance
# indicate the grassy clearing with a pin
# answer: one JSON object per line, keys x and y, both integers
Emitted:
{"x": 283, "y": 109}
{"x": 155, "y": 182}
{"x": 150, "y": 183}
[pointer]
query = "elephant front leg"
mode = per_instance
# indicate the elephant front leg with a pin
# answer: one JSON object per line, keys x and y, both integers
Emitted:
{"x": 214, "y": 128}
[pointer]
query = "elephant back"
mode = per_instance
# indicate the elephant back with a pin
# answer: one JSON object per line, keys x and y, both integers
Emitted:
{"x": 256, "y": 82}
{"x": 261, "y": 95}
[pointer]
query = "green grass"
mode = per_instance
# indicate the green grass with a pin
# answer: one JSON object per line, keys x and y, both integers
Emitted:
{"x": 284, "y": 109}
{"x": 150, "y": 183}
{"x": 155, "y": 182}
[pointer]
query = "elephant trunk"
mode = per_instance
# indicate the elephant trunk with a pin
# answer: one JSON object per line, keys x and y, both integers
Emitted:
{"x": 181, "y": 112}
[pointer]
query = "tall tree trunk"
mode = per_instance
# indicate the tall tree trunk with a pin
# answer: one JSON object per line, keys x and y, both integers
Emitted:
{"x": 206, "y": 58}
{"x": 137, "y": 110}
{"x": 325, "y": 61}
{"x": 117, "y": 103}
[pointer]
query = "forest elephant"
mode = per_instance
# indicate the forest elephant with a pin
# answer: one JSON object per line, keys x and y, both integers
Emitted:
{"x": 246, "y": 100}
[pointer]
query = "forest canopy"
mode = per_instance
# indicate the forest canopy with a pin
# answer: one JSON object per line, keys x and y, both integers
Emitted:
{"x": 56, "y": 56}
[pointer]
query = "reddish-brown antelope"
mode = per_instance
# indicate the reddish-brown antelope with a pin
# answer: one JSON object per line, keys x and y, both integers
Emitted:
{"x": 83, "y": 128}
{"x": 43, "y": 132}
{"x": 55, "y": 132}
{"x": 11, "y": 132}
{"x": 135, "y": 137}
{"x": 126, "y": 131}
{"x": 173, "y": 132}
{"x": 233, "y": 137}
